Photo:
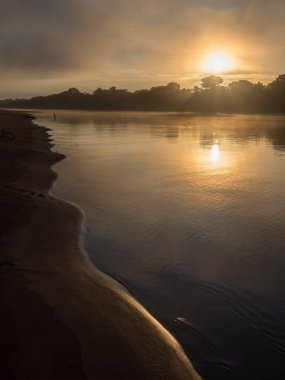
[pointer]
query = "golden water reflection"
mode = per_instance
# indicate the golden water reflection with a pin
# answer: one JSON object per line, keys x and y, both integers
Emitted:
{"x": 215, "y": 153}
{"x": 217, "y": 156}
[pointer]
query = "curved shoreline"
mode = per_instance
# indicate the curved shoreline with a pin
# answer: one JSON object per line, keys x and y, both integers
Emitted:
{"x": 62, "y": 317}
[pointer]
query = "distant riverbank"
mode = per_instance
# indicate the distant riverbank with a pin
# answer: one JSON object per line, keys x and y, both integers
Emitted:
{"x": 213, "y": 96}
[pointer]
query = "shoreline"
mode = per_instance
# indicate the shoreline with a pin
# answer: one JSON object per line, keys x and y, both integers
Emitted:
{"x": 170, "y": 113}
{"x": 61, "y": 317}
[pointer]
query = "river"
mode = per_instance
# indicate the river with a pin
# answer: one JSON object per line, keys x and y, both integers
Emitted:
{"x": 188, "y": 212}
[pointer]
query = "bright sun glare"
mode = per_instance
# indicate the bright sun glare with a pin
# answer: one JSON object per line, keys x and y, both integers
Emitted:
{"x": 215, "y": 153}
{"x": 218, "y": 62}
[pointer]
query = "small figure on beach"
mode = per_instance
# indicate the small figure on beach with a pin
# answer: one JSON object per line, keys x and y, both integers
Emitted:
{"x": 54, "y": 116}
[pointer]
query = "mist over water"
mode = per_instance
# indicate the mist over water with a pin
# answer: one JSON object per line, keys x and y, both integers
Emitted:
{"x": 188, "y": 212}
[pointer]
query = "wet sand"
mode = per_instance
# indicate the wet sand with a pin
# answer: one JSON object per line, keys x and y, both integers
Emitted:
{"x": 60, "y": 317}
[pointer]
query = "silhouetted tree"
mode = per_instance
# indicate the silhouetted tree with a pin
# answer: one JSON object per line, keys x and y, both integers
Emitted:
{"x": 173, "y": 86}
{"x": 211, "y": 82}
{"x": 238, "y": 96}
{"x": 73, "y": 91}
{"x": 277, "y": 94}
{"x": 97, "y": 91}
{"x": 241, "y": 85}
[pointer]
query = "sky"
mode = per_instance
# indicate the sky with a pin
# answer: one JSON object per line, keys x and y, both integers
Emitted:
{"x": 49, "y": 46}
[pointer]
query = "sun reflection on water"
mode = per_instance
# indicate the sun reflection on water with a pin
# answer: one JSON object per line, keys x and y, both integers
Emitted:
{"x": 214, "y": 157}
{"x": 215, "y": 153}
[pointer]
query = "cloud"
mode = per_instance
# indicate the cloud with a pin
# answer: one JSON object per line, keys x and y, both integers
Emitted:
{"x": 89, "y": 39}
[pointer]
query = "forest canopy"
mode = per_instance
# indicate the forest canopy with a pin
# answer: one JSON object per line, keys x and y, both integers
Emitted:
{"x": 240, "y": 96}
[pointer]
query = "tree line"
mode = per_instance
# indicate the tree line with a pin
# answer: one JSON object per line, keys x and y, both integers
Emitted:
{"x": 241, "y": 96}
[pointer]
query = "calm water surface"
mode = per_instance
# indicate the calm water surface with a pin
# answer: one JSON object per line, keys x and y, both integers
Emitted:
{"x": 189, "y": 213}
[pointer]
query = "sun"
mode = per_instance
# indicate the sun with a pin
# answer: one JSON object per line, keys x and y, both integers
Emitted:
{"x": 217, "y": 62}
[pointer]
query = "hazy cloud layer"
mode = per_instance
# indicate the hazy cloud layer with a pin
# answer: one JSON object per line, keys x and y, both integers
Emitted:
{"x": 133, "y": 43}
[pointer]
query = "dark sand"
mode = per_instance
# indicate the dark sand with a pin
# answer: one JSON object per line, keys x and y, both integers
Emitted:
{"x": 60, "y": 318}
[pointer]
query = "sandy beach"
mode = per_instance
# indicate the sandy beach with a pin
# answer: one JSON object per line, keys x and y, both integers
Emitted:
{"x": 60, "y": 317}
